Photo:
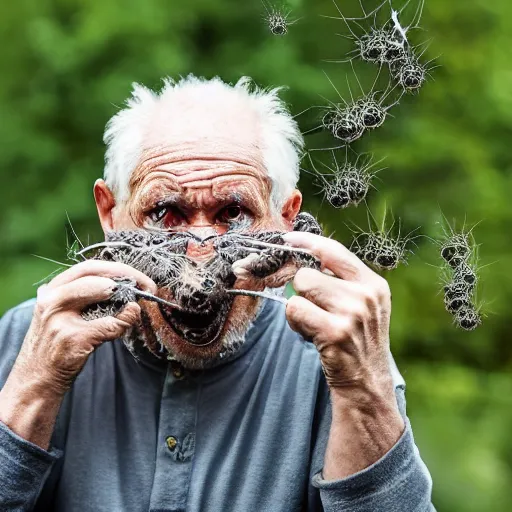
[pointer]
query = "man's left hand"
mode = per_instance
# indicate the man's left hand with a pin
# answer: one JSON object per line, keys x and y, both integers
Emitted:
{"x": 346, "y": 314}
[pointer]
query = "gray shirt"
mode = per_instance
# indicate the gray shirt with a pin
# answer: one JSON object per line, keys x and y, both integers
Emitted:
{"x": 247, "y": 435}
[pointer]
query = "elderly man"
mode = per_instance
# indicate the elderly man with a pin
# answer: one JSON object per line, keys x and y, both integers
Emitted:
{"x": 264, "y": 408}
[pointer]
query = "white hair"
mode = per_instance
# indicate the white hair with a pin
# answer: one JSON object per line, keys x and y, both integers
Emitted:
{"x": 281, "y": 139}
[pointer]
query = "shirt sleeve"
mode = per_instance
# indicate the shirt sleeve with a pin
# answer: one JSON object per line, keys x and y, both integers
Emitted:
{"x": 24, "y": 466}
{"x": 399, "y": 481}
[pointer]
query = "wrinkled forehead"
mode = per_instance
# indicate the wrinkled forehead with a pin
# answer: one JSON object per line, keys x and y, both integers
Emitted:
{"x": 215, "y": 124}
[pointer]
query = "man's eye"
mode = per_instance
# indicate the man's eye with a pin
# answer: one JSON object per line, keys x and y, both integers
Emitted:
{"x": 231, "y": 213}
{"x": 158, "y": 214}
{"x": 165, "y": 216}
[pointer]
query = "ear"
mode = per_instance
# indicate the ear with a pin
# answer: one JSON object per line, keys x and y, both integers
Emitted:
{"x": 105, "y": 203}
{"x": 292, "y": 207}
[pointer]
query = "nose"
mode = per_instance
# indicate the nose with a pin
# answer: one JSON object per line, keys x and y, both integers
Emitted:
{"x": 198, "y": 250}
{"x": 203, "y": 232}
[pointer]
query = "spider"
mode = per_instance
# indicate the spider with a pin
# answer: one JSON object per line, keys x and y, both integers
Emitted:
{"x": 306, "y": 222}
{"x": 454, "y": 305}
{"x": 457, "y": 289}
{"x": 456, "y": 295}
{"x": 379, "y": 44}
{"x": 125, "y": 292}
{"x": 456, "y": 248}
{"x": 347, "y": 184}
{"x": 379, "y": 248}
{"x": 277, "y": 19}
{"x": 372, "y": 112}
{"x": 161, "y": 257}
{"x": 346, "y": 125}
{"x": 349, "y": 120}
{"x": 460, "y": 274}
{"x": 372, "y": 115}
{"x": 410, "y": 73}
{"x": 466, "y": 275}
{"x": 468, "y": 317}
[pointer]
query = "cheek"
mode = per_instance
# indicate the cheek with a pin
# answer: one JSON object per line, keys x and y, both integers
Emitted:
{"x": 242, "y": 311}
{"x": 122, "y": 218}
{"x": 271, "y": 221}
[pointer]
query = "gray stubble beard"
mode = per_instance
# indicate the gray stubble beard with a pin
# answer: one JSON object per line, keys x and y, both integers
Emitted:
{"x": 232, "y": 341}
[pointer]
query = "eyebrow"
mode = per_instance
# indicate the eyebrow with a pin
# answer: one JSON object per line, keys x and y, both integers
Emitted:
{"x": 239, "y": 198}
{"x": 150, "y": 201}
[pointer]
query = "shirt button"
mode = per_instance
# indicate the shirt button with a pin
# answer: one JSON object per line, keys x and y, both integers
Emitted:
{"x": 177, "y": 370}
{"x": 171, "y": 442}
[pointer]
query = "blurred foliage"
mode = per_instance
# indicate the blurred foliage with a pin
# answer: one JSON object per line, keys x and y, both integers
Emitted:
{"x": 67, "y": 66}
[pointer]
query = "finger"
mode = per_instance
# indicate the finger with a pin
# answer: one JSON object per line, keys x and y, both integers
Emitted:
{"x": 112, "y": 327}
{"x": 333, "y": 255}
{"x": 313, "y": 322}
{"x": 241, "y": 267}
{"x": 78, "y": 293}
{"x": 105, "y": 269}
{"x": 245, "y": 279}
{"x": 332, "y": 294}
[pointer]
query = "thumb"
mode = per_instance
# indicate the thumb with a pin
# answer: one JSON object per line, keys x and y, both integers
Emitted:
{"x": 111, "y": 327}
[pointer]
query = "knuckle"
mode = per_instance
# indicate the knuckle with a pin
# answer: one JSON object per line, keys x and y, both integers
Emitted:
{"x": 355, "y": 323}
{"x": 130, "y": 314}
{"x": 45, "y": 301}
{"x": 382, "y": 290}
{"x": 298, "y": 280}
{"x": 302, "y": 279}
{"x": 82, "y": 337}
{"x": 57, "y": 330}
{"x": 369, "y": 297}
{"x": 293, "y": 306}
{"x": 341, "y": 330}
{"x": 111, "y": 328}
{"x": 359, "y": 312}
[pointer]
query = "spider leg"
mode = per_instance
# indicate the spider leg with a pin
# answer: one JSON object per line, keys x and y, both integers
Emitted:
{"x": 342, "y": 18}
{"x": 375, "y": 81}
{"x": 313, "y": 130}
{"x": 73, "y": 231}
{"x": 357, "y": 78}
{"x": 367, "y": 15}
{"x": 338, "y": 92}
{"x": 306, "y": 110}
{"x": 263, "y": 295}
{"x": 266, "y": 7}
{"x": 396, "y": 102}
{"x": 52, "y": 261}
{"x": 350, "y": 38}
{"x": 316, "y": 171}
{"x": 343, "y": 61}
{"x": 103, "y": 244}
{"x": 349, "y": 90}
{"x": 328, "y": 149}
{"x": 417, "y": 16}
{"x": 49, "y": 276}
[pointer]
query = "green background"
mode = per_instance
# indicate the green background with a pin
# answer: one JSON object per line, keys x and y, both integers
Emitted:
{"x": 67, "y": 65}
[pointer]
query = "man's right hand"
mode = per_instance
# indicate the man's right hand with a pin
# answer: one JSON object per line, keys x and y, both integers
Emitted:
{"x": 59, "y": 341}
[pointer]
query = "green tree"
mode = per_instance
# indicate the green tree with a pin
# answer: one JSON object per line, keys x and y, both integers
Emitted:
{"x": 67, "y": 66}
